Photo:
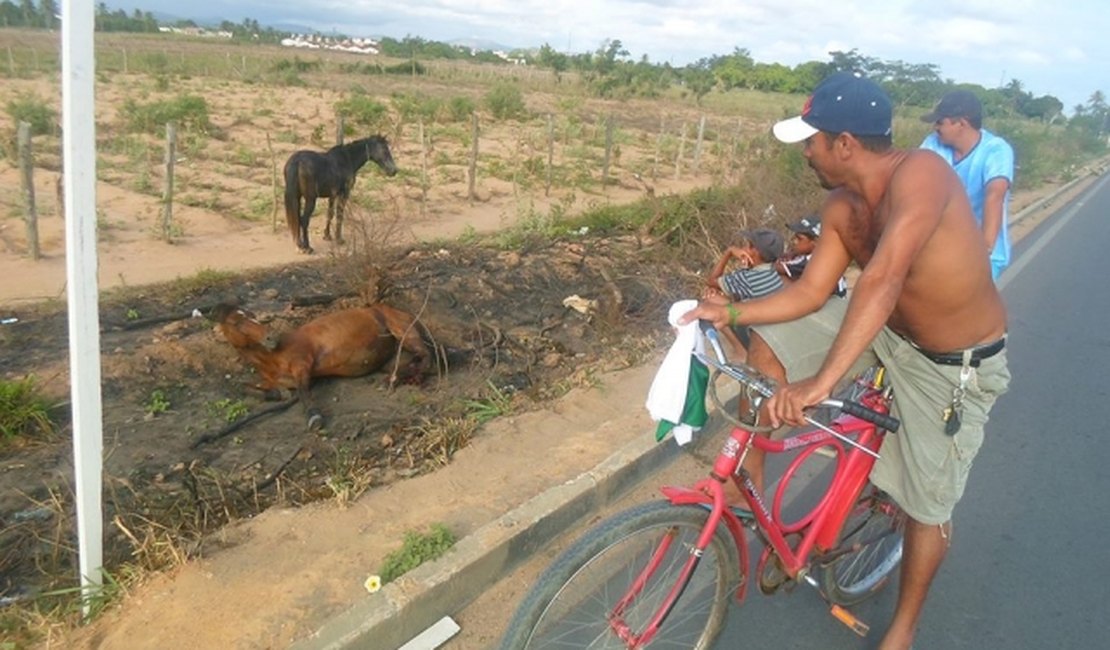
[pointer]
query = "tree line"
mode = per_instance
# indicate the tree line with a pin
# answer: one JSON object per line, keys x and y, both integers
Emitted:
{"x": 44, "y": 15}
{"x": 610, "y": 70}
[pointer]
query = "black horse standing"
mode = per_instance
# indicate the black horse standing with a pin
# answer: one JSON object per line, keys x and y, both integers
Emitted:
{"x": 331, "y": 174}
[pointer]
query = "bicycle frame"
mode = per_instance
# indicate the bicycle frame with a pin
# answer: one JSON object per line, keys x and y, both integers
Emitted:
{"x": 826, "y": 518}
{"x": 821, "y": 526}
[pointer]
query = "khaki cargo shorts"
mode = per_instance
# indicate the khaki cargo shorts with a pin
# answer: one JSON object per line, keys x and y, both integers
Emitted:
{"x": 922, "y": 468}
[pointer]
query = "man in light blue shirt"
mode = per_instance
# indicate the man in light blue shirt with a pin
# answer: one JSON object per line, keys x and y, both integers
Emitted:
{"x": 983, "y": 161}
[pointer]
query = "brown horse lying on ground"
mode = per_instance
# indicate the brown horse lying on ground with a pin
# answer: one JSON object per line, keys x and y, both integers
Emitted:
{"x": 345, "y": 343}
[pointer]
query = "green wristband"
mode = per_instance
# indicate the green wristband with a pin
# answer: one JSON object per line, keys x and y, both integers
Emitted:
{"x": 733, "y": 314}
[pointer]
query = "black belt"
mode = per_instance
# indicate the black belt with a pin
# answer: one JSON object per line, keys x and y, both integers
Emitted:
{"x": 957, "y": 358}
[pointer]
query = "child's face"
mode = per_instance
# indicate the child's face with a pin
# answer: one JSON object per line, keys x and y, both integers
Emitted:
{"x": 753, "y": 253}
{"x": 802, "y": 244}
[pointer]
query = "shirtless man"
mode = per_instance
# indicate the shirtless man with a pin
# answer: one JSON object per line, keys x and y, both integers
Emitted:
{"x": 924, "y": 304}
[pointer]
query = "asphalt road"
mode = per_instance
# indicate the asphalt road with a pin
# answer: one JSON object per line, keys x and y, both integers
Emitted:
{"x": 1029, "y": 547}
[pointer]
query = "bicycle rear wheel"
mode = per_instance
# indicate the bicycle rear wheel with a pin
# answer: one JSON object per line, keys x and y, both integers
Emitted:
{"x": 870, "y": 549}
{"x": 574, "y": 602}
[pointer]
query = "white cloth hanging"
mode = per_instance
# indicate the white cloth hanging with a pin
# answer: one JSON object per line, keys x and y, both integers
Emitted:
{"x": 667, "y": 395}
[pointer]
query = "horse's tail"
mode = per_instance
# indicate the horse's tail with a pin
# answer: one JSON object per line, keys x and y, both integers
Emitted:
{"x": 293, "y": 197}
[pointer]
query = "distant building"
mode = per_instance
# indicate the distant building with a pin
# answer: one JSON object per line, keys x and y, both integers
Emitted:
{"x": 319, "y": 42}
{"x": 194, "y": 31}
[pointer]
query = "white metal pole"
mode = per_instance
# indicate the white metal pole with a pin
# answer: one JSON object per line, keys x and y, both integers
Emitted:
{"x": 79, "y": 147}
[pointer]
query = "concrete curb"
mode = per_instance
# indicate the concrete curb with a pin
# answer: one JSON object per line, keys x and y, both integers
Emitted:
{"x": 1093, "y": 171}
{"x": 404, "y": 608}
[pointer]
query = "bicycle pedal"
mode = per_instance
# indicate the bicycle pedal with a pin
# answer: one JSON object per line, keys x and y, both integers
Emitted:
{"x": 850, "y": 620}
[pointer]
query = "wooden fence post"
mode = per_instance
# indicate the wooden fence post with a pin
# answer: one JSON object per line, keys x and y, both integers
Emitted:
{"x": 473, "y": 171}
{"x": 11, "y": 62}
{"x": 680, "y": 154}
{"x": 608, "y": 150}
{"x": 697, "y": 147}
{"x": 658, "y": 146}
{"x": 60, "y": 195}
{"x": 273, "y": 184}
{"x": 550, "y": 153}
{"x": 59, "y": 186}
{"x": 26, "y": 166}
{"x": 423, "y": 170}
{"x": 167, "y": 187}
{"x": 125, "y": 60}
{"x": 339, "y": 131}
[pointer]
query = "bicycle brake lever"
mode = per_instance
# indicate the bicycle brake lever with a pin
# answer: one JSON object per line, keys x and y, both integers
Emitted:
{"x": 839, "y": 436}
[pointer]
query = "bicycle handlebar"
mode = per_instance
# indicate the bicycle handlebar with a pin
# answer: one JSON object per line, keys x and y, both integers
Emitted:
{"x": 766, "y": 386}
{"x": 882, "y": 420}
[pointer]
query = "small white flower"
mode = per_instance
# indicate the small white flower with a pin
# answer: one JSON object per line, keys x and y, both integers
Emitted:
{"x": 373, "y": 584}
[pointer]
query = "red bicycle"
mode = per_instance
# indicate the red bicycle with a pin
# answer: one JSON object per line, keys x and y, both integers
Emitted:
{"x": 660, "y": 574}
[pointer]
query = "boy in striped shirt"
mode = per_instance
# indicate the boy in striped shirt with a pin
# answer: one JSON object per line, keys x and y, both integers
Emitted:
{"x": 755, "y": 278}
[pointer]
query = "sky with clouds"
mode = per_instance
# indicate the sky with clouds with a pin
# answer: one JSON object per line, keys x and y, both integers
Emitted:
{"x": 1060, "y": 47}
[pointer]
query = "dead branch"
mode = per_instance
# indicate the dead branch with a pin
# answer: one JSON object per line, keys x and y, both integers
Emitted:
{"x": 273, "y": 476}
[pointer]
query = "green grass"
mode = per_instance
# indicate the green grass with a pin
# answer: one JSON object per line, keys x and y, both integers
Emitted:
{"x": 494, "y": 405}
{"x": 418, "y": 548}
{"x": 188, "y": 112}
{"x": 33, "y": 110}
{"x": 228, "y": 410}
{"x": 157, "y": 403}
{"x": 25, "y": 412}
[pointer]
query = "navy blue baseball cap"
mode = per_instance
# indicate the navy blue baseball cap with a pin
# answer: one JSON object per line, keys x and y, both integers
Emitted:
{"x": 958, "y": 103}
{"x": 844, "y": 102}
{"x": 809, "y": 225}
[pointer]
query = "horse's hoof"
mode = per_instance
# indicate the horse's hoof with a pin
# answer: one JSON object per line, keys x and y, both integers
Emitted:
{"x": 306, "y": 251}
{"x": 327, "y": 236}
{"x": 315, "y": 421}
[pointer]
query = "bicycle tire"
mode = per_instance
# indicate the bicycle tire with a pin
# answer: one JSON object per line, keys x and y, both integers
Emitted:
{"x": 870, "y": 549}
{"x": 570, "y": 603}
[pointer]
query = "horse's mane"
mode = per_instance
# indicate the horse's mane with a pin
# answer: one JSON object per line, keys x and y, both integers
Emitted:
{"x": 355, "y": 144}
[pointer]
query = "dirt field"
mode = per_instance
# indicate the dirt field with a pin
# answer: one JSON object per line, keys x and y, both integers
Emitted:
{"x": 169, "y": 380}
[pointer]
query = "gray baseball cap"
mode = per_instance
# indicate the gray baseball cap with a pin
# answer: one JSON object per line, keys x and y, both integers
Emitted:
{"x": 768, "y": 242}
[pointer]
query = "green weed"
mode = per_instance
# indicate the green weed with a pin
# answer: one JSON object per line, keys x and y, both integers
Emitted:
{"x": 362, "y": 111}
{"x": 228, "y": 410}
{"x": 24, "y": 411}
{"x": 157, "y": 403}
{"x": 459, "y": 109}
{"x": 505, "y": 101}
{"x": 188, "y": 112}
{"x": 33, "y": 110}
{"x": 418, "y": 548}
{"x": 494, "y": 405}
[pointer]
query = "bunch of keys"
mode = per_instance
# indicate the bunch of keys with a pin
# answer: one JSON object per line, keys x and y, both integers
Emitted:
{"x": 951, "y": 415}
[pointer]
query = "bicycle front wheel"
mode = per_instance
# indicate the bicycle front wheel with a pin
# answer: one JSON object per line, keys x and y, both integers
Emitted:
{"x": 614, "y": 581}
{"x": 870, "y": 549}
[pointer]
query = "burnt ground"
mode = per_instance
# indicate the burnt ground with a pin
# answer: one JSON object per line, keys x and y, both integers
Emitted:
{"x": 172, "y": 475}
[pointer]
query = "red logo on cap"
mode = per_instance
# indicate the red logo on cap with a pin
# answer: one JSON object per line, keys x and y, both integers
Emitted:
{"x": 808, "y": 106}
